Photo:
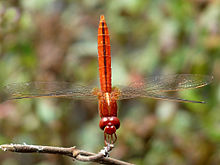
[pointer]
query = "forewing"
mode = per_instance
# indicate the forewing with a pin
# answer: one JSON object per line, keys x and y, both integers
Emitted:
{"x": 46, "y": 89}
{"x": 154, "y": 86}
{"x": 173, "y": 82}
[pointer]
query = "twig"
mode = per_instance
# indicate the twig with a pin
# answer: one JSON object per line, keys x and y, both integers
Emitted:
{"x": 72, "y": 152}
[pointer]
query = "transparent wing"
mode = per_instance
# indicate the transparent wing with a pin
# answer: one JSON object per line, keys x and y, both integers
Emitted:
{"x": 46, "y": 89}
{"x": 163, "y": 96}
{"x": 155, "y": 86}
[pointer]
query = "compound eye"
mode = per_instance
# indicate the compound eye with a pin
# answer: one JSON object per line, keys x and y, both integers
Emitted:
{"x": 103, "y": 122}
{"x": 117, "y": 125}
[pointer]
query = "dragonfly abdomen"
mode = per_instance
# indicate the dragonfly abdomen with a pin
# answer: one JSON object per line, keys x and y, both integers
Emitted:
{"x": 104, "y": 56}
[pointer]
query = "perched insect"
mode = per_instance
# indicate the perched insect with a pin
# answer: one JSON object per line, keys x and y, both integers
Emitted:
{"x": 152, "y": 87}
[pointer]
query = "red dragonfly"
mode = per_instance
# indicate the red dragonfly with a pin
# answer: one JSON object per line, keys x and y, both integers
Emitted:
{"x": 152, "y": 87}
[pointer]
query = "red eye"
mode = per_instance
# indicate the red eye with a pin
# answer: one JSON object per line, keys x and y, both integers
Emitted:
{"x": 107, "y": 123}
{"x": 103, "y": 122}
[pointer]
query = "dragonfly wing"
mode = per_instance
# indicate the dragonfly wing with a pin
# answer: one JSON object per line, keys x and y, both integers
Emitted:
{"x": 127, "y": 93}
{"x": 165, "y": 97}
{"x": 46, "y": 89}
{"x": 154, "y": 86}
{"x": 174, "y": 82}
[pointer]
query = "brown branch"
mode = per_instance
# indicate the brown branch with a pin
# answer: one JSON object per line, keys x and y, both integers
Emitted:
{"x": 72, "y": 152}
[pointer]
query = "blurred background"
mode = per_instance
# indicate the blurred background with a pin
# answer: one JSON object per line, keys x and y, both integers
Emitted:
{"x": 56, "y": 40}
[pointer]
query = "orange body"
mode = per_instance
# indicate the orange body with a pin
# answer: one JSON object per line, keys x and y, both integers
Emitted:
{"x": 104, "y": 56}
{"x": 107, "y": 99}
{"x": 107, "y": 96}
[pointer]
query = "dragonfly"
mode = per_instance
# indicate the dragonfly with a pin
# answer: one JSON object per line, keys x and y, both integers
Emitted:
{"x": 152, "y": 87}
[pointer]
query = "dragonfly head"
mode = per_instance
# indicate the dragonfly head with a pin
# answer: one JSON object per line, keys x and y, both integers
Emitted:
{"x": 109, "y": 125}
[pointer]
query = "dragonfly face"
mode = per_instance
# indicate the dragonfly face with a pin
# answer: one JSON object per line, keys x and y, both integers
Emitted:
{"x": 151, "y": 87}
{"x": 109, "y": 125}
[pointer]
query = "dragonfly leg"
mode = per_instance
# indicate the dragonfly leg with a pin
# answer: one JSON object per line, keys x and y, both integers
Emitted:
{"x": 110, "y": 138}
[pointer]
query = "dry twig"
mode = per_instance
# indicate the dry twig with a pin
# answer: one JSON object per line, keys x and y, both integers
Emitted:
{"x": 72, "y": 152}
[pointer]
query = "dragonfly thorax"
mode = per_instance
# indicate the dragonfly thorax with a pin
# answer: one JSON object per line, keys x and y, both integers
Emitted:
{"x": 107, "y": 105}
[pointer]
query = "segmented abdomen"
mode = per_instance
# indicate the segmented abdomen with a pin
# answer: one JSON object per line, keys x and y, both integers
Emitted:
{"x": 104, "y": 56}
